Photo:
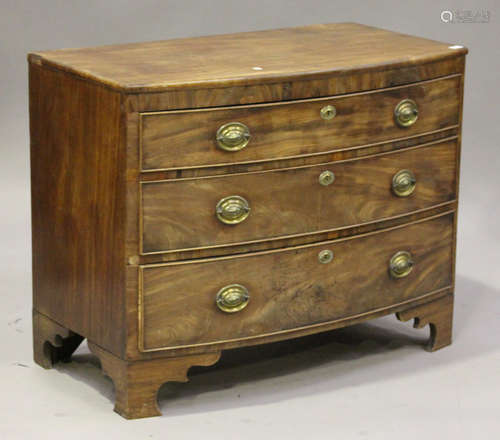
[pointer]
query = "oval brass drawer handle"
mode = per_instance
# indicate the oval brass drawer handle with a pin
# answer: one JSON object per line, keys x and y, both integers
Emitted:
{"x": 403, "y": 183}
{"x": 232, "y": 210}
{"x": 233, "y": 136}
{"x": 232, "y": 298}
{"x": 401, "y": 264}
{"x": 326, "y": 178}
{"x": 406, "y": 113}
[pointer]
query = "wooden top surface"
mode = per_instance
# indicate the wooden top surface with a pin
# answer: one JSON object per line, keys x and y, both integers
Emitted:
{"x": 305, "y": 52}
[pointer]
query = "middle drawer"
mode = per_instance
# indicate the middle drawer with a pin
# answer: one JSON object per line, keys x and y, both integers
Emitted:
{"x": 206, "y": 212}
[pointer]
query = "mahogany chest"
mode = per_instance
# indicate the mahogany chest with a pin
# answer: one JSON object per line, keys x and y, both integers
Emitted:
{"x": 196, "y": 195}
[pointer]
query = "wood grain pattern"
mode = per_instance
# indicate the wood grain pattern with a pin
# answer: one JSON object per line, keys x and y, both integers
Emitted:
{"x": 459, "y": 153}
{"x": 135, "y": 354}
{"x": 137, "y": 383}
{"x": 78, "y": 206}
{"x": 438, "y": 315}
{"x": 290, "y": 288}
{"x": 296, "y": 88}
{"x": 89, "y": 276}
{"x": 371, "y": 148}
{"x": 277, "y": 243}
{"x": 181, "y": 214}
{"x": 303, "y": 52}
{"x": 295, "y": 128}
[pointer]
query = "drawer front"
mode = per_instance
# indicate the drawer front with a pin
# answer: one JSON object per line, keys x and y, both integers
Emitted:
{"x": 290, "y": 289}
{"x": 183, "y": 139}
{"x": 182, "y": 214}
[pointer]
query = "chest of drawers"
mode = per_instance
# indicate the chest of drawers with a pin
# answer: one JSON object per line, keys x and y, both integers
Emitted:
{"x": 196, "y": 195}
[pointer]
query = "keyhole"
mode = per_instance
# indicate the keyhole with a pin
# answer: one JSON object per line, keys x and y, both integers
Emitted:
{"x": 328, "y": 112}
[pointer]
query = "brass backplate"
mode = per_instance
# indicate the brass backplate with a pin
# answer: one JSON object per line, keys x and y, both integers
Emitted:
{"x": 233, "y": 136}
{"x": 406, "y": 113}
{"x": 403, "y": 183}
{"x": 232, "y": 298}
{"x": 232, "y": 210}
{"x": 401, "y": 264}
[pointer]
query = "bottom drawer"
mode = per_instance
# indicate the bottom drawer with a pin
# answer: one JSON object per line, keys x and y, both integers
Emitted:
{"x": 282, "y": 290}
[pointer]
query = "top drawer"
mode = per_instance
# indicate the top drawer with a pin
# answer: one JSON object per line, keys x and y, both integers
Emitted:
{"x": 264, "y": 132}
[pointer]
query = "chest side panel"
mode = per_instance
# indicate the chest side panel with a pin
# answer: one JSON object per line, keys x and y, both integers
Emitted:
{"x": 78, "y": 205}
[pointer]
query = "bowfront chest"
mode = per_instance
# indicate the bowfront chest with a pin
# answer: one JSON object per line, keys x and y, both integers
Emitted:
{"x": 196, "y": 195}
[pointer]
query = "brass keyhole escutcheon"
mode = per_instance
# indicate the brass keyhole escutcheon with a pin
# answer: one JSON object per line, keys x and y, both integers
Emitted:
{"x": 326, "y": 178}
{"x": 232, "y": 298}
{"x": 325, "y": 256}
{"x": 401, "y": 264}
{"x": 406, "y": 113}
{"x": 233, "y": 136}
{"x": 403, "y": 183}
{"x": 232, "y": 210}
{"x": 328, "y": 112}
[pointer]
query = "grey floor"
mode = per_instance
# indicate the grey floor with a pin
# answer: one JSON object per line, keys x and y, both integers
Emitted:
{"x": 369, "y": 381}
